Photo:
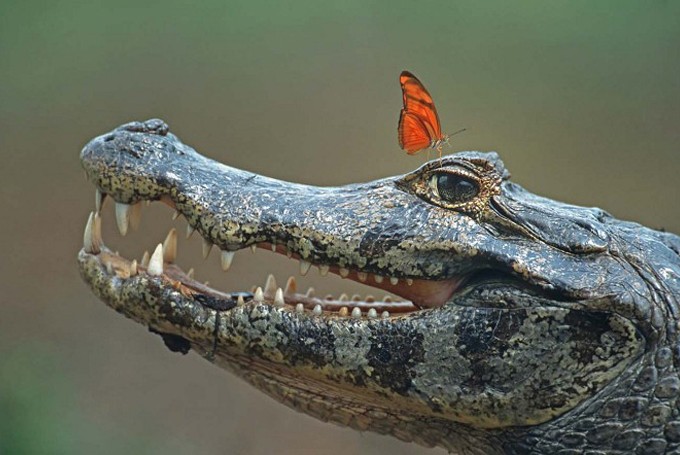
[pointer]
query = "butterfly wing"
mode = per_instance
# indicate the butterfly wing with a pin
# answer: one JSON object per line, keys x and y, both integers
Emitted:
{"x": 413, "y": 135}
{"x": 417, "y": 101}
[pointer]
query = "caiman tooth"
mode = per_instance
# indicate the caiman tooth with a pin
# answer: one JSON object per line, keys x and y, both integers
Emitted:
{"x": 170, "y": 246}
{"x": 226, "y": 258}
{"x": 190, "y": 230}
{"x": 291, "y": 286}
{"x": 394, "y": 280}
{"x": 240, "y": 301}
{"x": 304, "y": 267}
{"x": 378, "y": 278}
{"x": 99, "y": 200}
{"x": 343, "y": 298}
{"x": 278, "y": 297}
{"x": 123, "y": 217}
{"x": 207, "y": 246}
{"x": 145, "y": 259}
{"x": 253, "y": 248}
{"x": 299, "y": 308}
{"x": 387, "y": 299}
{"x": 362, "y": 276}
{"x": 135, "y": 215}
{"x": 273, "y": 247}
{"x": 385, "y": 314}
{"x": 190, "y": 273}
{"x": 344, "y": 311}
{"x": 343, "y": 272}
{"x": 156, "y": 262}
{"x": 409, "y": 281}
{"x": 372, "y": 314}
{"x": 323, "y": 270}
{"x": 259, "y": 295}
{"x": 317, "y": 310}
{"x": 369, "y": 298}
{"x": 92, "y": 236}
{"x": 175, "y": 215}
{"x": 133, "y": 268}
{"x": 310, "y": 293}
{"x": 270, "y": 286}
{"x": 356, "y": 312}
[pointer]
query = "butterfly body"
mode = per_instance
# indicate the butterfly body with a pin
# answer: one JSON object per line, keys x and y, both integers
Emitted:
{"x": 419, "y": 126}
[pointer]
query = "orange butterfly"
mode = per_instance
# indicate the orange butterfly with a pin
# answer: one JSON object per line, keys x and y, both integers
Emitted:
{"x": 419, "y": 126}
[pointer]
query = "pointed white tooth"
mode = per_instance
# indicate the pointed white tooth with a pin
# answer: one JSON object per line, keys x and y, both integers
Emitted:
{"x": 240, "y": 301}
{"x": 253, "y": 248}
{"x": 270, "y": 286}
{"x": 278, "y": 298}
{"x": 226, "y": 258}
{"x": 343, "y": 298}
{"x": 356, "y": 298}
{"x": 147, "y": 203}
{"x": 109, "y": 268}
{"x": 369, "y": 298}
{"x": 122, "y": 217}
{"x": 190, "y": 273}
{"x": 344, "y": 311}
{"x": 317, "y": 310}
{"x": 207, "y": 246}
{"x": 145, "y": 259}
{"x": 91, "y": 243}
{"x": 259, "y": 295}
{"x": 273, "y": 247}
{"x": 299, "y": 308}
{"x": 133, "y": 267}
{"x": 343, "y": 272}
{"x": 387, "y": 299}
{"x": 156, "y": 261}
{"x": 372, "y": 314}
{"x": 385, "y": 314}
{"x": 98, "y": 200}
{"x": 378, "y": 278}
{"x": 175, "y": 215}
{"x": 135, "y": 215}
{"x": 356, "y": 313}
{"x": 362, "y": 276}
{"x": 409, "y": 281}
{"x": 304, "y": 267}
{"x": 394, "y": 280}
{"x": 310, "y": 293}
{"x": 291, "y": 286}
{"x": 323, "y": 270}
{"x": 170, "y": 246}
{"x": 190, "y": 230}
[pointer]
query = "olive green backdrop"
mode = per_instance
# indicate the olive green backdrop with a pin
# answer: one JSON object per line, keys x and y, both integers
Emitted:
{"x": 581, "y": 98}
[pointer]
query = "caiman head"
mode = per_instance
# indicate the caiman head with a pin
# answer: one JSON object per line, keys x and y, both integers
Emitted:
{"x": 515, "y": 314}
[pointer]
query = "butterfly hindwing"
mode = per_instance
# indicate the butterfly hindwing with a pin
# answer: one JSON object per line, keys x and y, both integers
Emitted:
{"x": 413, "y": 135}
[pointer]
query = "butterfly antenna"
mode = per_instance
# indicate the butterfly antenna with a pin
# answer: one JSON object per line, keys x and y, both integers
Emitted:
{"x": 459, "y": 131}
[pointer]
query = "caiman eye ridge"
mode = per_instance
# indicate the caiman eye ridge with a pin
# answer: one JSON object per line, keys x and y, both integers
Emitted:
{"x": 162, "y": 263}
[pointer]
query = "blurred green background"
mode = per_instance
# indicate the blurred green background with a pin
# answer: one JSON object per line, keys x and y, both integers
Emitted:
{"x": 581, "y": 98}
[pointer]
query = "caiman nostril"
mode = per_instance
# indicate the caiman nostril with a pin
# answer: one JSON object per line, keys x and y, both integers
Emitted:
{"x": 151, "y": 126}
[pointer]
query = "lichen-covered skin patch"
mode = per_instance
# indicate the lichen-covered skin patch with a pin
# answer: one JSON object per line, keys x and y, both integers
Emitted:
{"x": 525, "y": 325}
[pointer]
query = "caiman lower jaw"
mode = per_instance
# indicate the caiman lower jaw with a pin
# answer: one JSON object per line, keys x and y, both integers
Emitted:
{"x": 418, "y": 294}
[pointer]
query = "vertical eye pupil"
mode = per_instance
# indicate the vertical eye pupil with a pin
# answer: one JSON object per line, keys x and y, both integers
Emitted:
{"x": 455, "y": 188}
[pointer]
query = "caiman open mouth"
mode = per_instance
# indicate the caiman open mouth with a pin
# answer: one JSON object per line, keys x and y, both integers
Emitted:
{"x": 418, "y": 294}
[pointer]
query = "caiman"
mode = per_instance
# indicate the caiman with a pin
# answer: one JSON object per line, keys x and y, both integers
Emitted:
{"x": 519, "y": 325}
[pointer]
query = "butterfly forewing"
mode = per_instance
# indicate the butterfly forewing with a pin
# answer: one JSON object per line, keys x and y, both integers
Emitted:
{"x": 418, "y": 102}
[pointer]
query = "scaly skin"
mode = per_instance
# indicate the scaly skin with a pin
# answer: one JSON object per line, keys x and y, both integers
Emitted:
{"x": 538, "y": 327}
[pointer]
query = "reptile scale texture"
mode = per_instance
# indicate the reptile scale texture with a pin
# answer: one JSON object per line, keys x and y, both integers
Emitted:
{"x": 524, "y": 325}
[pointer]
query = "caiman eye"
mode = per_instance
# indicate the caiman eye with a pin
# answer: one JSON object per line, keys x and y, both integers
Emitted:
{"x": 454, "y": 188}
